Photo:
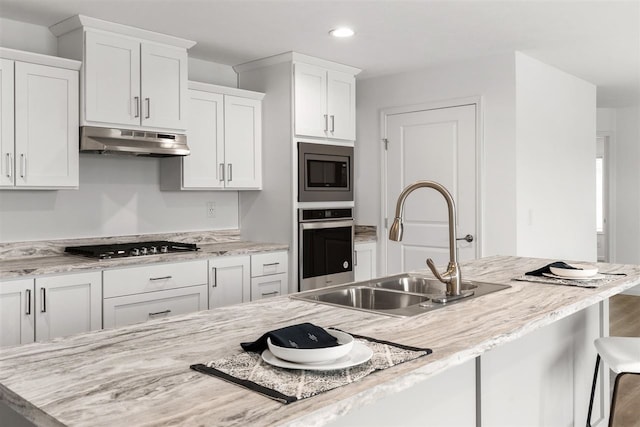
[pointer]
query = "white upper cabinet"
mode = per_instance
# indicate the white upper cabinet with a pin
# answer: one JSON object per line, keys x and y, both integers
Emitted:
{"x": 132, "y": 78}
{"x": 243, "y": 142}
{"x": 325, "y": 102}
{"x": 38, "y": 121}
{"x": 225, "y": 138}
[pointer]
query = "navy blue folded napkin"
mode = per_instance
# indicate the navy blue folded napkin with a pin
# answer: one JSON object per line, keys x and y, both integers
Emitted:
{"x": 547, "y": 268}
{"x": 303, "y": 335}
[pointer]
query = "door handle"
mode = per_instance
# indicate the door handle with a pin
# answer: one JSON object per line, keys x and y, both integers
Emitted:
{"x": 23, "y": 165}
{"x": 148, "y": 101}
{"x": 158, "y": 313}
{"x": 333, "y": 123}
{"x": 214, "y": 270}
{"x": 268, "y": 294}
{"x": 160, "y": 278}
{"x": 43, "y": 302}
{"x": 468, "y": 238}
{"x": 9, "y": 166}
{"x": 137, "y": 102}
{"x": 28, "y": 292}
{"x": 326, "y": 123}
{"x": 230, "y": 172}
{"x": 221, "y": 178}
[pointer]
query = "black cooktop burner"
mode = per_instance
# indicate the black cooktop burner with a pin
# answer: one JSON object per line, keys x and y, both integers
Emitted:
{"x": 121, "y": 250}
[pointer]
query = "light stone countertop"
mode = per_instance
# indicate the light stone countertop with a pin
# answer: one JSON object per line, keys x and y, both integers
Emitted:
{"x": 139, "y": 375}
{"x": 15, "y": 268}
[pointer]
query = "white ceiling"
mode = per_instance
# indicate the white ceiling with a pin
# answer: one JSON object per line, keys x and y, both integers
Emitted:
{"x": 598, "y": 41}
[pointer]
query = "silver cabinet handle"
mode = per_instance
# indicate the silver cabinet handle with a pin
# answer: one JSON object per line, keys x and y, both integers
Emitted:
{"x": 137, "y": 102}
{"x": 268, "y": 294}
{"x": 468, "y": 238}
{"x": 43, "y": 301}
{"x": 230, "y": 173}
{"x": 148, "y": 101}
{"x": 9, "y": 166}
{"x": 221, "y": 172}
{"x": 28, "y": 292}
{"x": 355, "y": 257}
{"x": 214, "y": 271}
{"x": 326, "y": 123}
{"x": 23, "y": 165}
{"x": 333, "y": 123}
{"x": 270, "y": 264}
{"x": 160, "y": 278}
{"x": 158, "y": 313}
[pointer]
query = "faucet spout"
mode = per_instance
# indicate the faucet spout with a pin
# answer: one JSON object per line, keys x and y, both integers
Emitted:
{"x": 452, "y": 277}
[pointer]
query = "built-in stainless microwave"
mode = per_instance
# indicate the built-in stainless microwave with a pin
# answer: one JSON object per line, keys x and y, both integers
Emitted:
{"x": 325, "y": 173}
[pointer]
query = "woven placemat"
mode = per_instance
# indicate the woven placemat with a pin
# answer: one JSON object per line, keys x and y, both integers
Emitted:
{"x": 289, "y": 385}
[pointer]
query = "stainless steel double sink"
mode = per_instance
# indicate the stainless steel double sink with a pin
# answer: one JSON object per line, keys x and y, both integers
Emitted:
{"x": 402, "y": 295}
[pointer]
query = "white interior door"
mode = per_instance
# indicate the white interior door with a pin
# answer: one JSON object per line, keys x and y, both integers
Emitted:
{"x": 436, "y": 145}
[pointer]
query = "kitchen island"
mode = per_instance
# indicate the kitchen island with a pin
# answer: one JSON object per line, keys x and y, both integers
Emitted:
{"x": 139, "y": 374}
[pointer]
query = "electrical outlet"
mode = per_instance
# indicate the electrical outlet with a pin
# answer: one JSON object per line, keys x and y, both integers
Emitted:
{"x": 211, "y": 209}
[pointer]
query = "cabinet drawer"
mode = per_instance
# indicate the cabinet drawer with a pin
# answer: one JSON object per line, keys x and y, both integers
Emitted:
{"x": 126, "y": 310}
{"x": 269, "y": 263}
{"x": 149, "y": 278}
{"x": 268, "y": 286}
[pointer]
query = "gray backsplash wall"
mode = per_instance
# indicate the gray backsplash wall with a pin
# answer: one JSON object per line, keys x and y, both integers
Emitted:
{"x": 117, "y": 195}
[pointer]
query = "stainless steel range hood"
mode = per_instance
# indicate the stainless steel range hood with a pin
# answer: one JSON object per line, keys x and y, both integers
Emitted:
{"x": 132, "y": 142}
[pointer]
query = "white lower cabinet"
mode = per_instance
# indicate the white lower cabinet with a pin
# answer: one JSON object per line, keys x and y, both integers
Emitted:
{"x": 229, "y": 280}
{"x": 17, "y": 319}
{"x": 268, "y": 286}
{"x": 269, "y": 276}
{"x": 48, "y": 307}
{"x": 142, "y": 293}
{"x": 129, "y": 309}
{"x": 365, "y": 261}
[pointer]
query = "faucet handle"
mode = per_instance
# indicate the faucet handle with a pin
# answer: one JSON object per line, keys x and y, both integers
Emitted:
{"x": 434, "y": 270}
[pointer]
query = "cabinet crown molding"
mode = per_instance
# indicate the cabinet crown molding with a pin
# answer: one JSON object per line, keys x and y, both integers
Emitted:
{"x": 295, "y": 57}
{"x": 82, "y": 21}
{"x": 38, "y": 58}
{"x": 225, "y": 90}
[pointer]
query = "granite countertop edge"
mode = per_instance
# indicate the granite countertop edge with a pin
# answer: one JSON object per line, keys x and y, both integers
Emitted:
{"x": 65, "y": 263}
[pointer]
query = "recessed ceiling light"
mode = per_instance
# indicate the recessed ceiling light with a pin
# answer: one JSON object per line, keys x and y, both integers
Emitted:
{"x": 342, "y": 32}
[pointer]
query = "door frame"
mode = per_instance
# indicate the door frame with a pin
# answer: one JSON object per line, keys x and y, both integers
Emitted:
{"x": 434, "y": 105}
{"x": 609, "y": 201}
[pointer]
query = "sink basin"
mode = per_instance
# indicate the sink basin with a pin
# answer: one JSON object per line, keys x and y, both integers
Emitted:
{"x": 401, "y": 295}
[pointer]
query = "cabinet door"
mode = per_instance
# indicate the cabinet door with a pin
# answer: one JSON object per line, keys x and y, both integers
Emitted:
{"x": 310, "y": 100}
{"x": 341, "y": 99}
{"x": 164, "y": 86}
{"x": 112, "y": 79}
{"x": 204, "y": 167}
{"x": 126, "y": 310}
{"x": 269, "y": 286}
{"x": 229, "y": 281}
{"x": 243, "y": 142}
{"x": 46, "y": 126}
{"x": 16, "y": 312}
{"x": 7, "y": 171}
{"x": 365, "y": 261}
{"x": 68, "y": 305}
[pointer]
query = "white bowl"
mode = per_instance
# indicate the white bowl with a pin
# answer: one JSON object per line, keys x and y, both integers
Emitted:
{"x": 586, "y": 271}
{"x": 314, "y": 355}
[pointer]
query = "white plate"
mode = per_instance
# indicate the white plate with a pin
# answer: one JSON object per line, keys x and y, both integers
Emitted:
{"x": 594, "y": 277}
{"x": 581, "y": 271}
{"x": 314, "y": 355}
{"x": 358, "y": 355}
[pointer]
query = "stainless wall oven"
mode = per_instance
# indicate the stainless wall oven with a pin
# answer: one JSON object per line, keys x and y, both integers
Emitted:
{"x": 326, "y": 247}
{"x": 325, "y": 173}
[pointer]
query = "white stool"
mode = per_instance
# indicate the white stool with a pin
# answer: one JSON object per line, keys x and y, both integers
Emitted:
{"x": 622, "y": 354}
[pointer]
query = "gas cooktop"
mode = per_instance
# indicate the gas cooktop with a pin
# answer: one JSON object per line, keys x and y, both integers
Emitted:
{"x": 121, "y": 250}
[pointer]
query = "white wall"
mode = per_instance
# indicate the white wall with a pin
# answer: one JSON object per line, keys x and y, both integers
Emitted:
{"x": 492, "y": 78}
{"x": 555, "y": 133}
{"x": 627, "y": 176}
{"x": 117, "y": 195}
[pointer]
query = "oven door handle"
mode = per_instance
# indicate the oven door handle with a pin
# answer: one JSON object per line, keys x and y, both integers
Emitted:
{"x": 326, "y": 224}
